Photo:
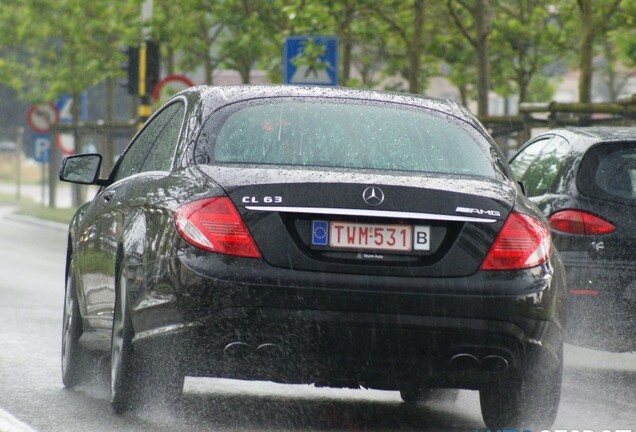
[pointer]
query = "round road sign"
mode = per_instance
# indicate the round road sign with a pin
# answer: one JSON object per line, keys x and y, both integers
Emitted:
{"x": 169, "y": 86}
{"x": 41, "y": 117}
{"x": 65, "y": 143}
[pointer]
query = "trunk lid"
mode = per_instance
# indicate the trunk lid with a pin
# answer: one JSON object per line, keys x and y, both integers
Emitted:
{"x": 368, "y": 223}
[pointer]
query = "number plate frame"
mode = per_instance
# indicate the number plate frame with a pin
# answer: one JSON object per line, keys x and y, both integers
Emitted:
{"x": 396, "y": 238}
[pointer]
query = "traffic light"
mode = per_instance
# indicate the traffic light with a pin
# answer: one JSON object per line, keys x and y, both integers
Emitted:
{"x": 143, "y": 67}
{"x": 148, "y": 77}
{"x": 132, "y": 67}
{"x": 153, "y": 66}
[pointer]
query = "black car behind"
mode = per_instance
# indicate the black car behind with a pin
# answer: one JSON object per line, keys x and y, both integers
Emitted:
{"x": 584, "y": 180}
{"x": 337, "y": 237}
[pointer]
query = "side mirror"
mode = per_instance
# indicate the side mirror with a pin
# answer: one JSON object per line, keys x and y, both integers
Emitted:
{"x": 81, "y": 169}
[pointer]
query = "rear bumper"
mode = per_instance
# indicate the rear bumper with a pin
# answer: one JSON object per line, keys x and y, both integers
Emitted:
{"x": 243, "y": 319}
{"x": 351, "y": 349}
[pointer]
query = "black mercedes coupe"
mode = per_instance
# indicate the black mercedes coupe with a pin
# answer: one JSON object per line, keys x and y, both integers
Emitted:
{"x": 328, "y": 236}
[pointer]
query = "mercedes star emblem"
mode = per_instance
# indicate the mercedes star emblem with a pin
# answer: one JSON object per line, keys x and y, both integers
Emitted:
{"x": 373, "y": 196}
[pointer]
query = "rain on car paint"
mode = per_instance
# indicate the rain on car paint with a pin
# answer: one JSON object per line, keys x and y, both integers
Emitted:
{"x": 338, "y": 237}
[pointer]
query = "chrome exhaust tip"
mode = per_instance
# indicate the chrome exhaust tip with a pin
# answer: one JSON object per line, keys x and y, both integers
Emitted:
{"x": 494, "y": 363}
{"x": 237, "y": 350}
{"x": 270, "y": 350}
{"x": 464, "y": 362}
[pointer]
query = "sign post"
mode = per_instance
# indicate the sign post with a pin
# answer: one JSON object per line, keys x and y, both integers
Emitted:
{"x": 41, "y": 150}
{"x": 40, "y": 118}
{"x": 310, "y": 60}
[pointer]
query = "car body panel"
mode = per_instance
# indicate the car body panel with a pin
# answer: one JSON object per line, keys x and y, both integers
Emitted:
{"x": 302, "y": 312}
{"x": 296, "y": 197}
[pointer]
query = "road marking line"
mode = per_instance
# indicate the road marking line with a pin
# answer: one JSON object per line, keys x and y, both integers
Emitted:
{"x": 9, "y": 423}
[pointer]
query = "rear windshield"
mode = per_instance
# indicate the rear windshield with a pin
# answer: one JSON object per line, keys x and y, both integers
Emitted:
{"x": 345, "y": 135}
{"x": 608, "y": 171}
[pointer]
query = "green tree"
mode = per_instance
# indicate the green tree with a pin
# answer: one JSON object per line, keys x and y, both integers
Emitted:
{"x": 406, "y": 20}
{"x": 458, "y": 56}
{"x": 47, "y": 54}
{"x": 474, "y": 19}
{"x": 189, "y": 32}
{"x": 618, "y": 48}
{"x": 623, "y": 34}
{"x": 527, "y": 36}
{"x": 595, "y": 20}
{"x": 369, "y": 50}
{"x": 243, "y": 43}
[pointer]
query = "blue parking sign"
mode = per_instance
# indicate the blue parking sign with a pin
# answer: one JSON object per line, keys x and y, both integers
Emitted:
{"x": 310, "y": 60}
{"x": 41, "y": 147}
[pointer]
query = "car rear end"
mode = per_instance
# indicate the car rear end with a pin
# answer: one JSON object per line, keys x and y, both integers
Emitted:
{"x": 361, "y": 243}
{"x": 345, "y": 312}
{"x": 596, "y": 235}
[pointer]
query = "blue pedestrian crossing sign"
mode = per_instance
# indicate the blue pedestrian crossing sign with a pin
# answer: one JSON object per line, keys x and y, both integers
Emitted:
{"x": 310, "y": 60}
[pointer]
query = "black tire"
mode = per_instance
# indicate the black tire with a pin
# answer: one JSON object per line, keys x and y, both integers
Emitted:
{"x": 77, "y": 362}
{"x": 410, "y": 394}
{"x": 125, "y": 381}
{"x": 137, "y": 378}
{"x": 528, "y": 399}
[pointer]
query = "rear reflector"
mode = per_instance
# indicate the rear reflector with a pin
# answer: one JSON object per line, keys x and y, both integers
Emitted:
{"x": 215, "y": 225}
{"x": 523, "y": 242}
{"x": 579, "y": 222}
{"x": 587, "y": 292}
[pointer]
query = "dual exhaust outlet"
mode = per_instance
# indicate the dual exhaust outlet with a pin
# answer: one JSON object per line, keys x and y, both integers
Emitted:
{"x": 465, "y": 362}
{"x": 238, "y": 350}
{"x": 462, "y": 362}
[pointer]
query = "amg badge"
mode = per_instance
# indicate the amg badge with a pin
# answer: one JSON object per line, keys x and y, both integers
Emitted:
{"x": 477, "y": 211}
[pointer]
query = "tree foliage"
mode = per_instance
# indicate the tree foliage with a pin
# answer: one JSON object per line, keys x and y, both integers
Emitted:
{"x": 62, "y": 47}
{"x": 482, "y": 46}
{"x": 594, "y": 24}
{"x": 528, "y": 36}
{"x": 474, "y": 20}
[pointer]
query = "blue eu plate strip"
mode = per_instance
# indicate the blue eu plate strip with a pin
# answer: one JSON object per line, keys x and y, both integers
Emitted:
{"x": 320, "y": 233}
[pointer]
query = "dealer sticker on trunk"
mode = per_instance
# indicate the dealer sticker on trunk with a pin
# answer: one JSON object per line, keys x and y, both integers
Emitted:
{"x": 385, "y": 237}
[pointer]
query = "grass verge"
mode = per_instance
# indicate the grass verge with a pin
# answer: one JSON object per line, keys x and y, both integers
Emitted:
{"x": 28, "y": 207}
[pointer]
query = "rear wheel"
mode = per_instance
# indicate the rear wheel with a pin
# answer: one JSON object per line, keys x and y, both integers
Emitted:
{"x": 77, "y": 362}
{"x": 526, "y": 399}
{"x": 137, "y": 377}
{"x": 125, "y": 380}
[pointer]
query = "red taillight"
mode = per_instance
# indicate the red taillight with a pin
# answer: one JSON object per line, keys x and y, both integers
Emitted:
{"x": 523, "y": 242}
{"x": 579, "y": 222}
{"x": 215, "y": 225}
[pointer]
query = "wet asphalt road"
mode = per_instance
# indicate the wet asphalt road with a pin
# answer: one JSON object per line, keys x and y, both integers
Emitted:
{"x": 599, "y": 391}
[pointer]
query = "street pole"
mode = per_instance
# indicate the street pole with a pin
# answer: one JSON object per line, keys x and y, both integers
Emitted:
{"x": 146, "y": 16}
{"x": 18, "y": 155}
